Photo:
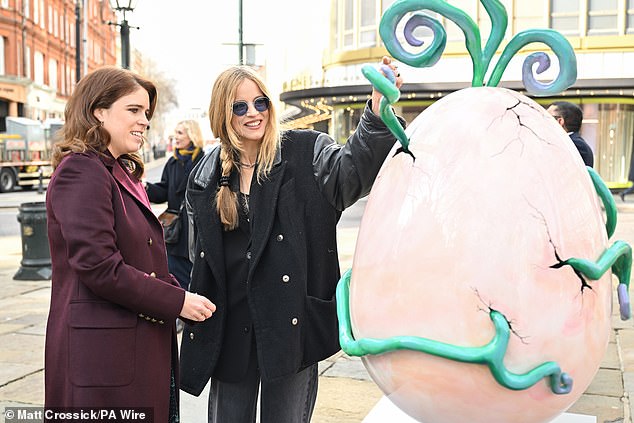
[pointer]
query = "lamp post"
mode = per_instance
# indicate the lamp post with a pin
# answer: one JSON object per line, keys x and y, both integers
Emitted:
{"x": 78, "y": 7}
{"x": 124, "y": 6}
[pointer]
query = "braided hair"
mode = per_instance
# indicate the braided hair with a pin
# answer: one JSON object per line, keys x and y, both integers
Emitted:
{"x": 220, "y": 114}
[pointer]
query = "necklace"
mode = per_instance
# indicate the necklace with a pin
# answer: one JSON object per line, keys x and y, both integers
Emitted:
{"x": 248, "y": 166}
{"x": 245, "y": 204}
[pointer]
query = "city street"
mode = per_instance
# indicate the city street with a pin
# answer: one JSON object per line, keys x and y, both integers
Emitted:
{"x": 346, "y": 393}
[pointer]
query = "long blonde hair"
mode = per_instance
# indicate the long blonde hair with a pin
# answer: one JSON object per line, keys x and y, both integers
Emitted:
{"x": 98, "y": 90}
{"x": 192, "y": 129}
{"x": 220, "y": 114}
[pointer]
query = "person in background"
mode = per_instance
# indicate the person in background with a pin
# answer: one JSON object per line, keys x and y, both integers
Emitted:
{"x": 263, "y": 209}
{"x": 570, "y": 116}
{"x": 110, "y": 336}
{"x": 188, "y": 143}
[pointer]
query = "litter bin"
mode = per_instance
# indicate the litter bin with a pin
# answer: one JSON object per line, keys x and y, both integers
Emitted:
{"x": 36, "y": 255}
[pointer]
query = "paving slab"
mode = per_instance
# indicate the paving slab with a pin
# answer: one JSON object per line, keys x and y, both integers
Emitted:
{"x": 10, "y": 372}
{"x": 341, "y": 400}
{"x": 22, "y": 349}
{"x": 626, "y": 349}
{"x": 607, "y": 383}
{"x": 28, "y": 390}
{"x": 611, "y": 359}
{"x": 351, "y": 369}
{"x": 605, "y": 409}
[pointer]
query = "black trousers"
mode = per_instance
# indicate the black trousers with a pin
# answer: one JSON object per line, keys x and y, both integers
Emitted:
{"x": 287, "y": 400}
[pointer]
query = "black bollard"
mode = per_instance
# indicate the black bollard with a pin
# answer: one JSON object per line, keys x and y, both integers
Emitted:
{"x": 36, "y": 255}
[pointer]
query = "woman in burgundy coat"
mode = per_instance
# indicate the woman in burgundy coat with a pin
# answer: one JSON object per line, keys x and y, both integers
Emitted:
{"x": 110, "y": 338}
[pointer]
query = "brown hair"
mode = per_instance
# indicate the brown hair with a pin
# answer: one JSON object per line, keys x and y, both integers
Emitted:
{"x": 82, "y": 131}
{"x": 220, "y": 114}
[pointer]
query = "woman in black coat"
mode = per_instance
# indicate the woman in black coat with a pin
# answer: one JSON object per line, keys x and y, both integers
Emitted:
{"x": 188, "y": 143}
{"x": 263, "y": 209}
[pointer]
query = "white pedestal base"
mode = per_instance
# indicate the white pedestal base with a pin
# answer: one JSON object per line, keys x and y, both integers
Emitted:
{"x": 386, "y": 411}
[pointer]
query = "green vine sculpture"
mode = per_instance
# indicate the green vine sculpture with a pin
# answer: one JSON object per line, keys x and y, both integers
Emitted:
{"x": 481, "y": 58}
{"x": 491, "y": 354}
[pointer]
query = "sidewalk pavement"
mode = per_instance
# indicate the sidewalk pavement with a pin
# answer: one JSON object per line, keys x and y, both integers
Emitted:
{"x": 346, "y": 393}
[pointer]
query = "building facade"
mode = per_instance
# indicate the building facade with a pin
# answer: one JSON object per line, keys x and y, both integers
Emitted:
{"x": 39, "y": 48}
{"x": 600, "y": 31}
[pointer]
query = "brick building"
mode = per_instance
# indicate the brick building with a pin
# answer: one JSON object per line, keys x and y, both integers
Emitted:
{"x": 38, "y": 53}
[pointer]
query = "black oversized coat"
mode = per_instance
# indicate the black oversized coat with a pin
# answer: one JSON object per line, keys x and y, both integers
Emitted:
{"x": 293, "y": 266}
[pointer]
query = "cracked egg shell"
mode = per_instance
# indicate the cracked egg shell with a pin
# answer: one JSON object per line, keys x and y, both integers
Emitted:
{"x": 496, "y": 195}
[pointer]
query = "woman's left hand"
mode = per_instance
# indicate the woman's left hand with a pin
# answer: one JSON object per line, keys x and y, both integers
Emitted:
{"x": 376, "y": 95}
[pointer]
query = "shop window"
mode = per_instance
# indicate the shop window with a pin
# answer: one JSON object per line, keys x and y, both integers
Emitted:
{"x": 602, "y": 17}
{"x": 348, "y": 23}
{"x": 2, "y": 57}
{"x": 52, "y": 74}
{"x": 38, "y": 68}
{"x": 27, "y": 62}
{"x": 368, "y": 29}
{"x": 614, "y": 138}
{"x": 629, "y": 24}
{"x": 564, "y": 16}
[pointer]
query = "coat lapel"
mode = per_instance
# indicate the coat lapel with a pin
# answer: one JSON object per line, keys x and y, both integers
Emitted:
{"x": 135, "y": 189}
{"x": 263, "y": 199}
{"x": 208, "y": 226}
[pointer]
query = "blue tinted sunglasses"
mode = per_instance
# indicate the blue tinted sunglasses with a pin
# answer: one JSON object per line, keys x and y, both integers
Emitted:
{"x": 240, "y": 108}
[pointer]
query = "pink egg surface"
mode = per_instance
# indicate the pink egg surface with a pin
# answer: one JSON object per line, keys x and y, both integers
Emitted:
{"x": 496, "y": 195}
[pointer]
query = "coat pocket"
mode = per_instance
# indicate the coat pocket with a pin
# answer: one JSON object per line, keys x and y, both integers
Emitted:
{"x": 102, "y": 343}
{"x": 321, "y": 336}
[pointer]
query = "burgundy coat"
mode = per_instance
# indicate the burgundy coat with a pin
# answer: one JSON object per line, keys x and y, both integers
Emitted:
{"x": 110, "y": 338}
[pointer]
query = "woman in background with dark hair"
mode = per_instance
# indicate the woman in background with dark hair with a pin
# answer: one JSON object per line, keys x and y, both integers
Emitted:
{"x": 110, "y": 337}
{"x": 570, "y": 116}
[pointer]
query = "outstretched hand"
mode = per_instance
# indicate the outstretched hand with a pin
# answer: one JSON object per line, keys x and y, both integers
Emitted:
{"x": 376, "y": 95}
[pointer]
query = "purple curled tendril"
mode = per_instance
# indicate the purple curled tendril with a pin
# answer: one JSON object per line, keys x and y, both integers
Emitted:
{"x": 414, "y": 22}
{"x": 624, "y": 301}
{"x": 432, "y": 52}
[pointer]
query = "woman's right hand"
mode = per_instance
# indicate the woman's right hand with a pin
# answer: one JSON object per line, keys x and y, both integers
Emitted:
{"x": 197, "y": 308}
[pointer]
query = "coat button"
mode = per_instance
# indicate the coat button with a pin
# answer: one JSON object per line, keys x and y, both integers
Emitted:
{"x": 202, "y": 254}
{"x": 154, "y": 320}
{"x": 286, "y": 278}
{"x": 246, "y": 329}
{"x": 149, "y": 241}
{"x": 153, "y": 274}
{"x": 161, "y": 322}
{"x": 141, "y": 315}
{"x": 191, "y": 335}
{"x": 248, "y": 255}
{"x": 280, "y": 237}
{"x": 294, "y": 321}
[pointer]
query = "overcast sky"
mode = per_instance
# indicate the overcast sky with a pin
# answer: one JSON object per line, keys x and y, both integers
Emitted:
{"x": 189, "y": 39}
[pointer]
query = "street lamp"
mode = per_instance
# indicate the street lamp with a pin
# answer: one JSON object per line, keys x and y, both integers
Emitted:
{"x": 78, "y": 7}
{"x": 124, "y": 6}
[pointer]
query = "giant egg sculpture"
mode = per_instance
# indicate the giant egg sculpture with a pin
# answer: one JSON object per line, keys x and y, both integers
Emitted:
{"x": 482, "y": 278}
